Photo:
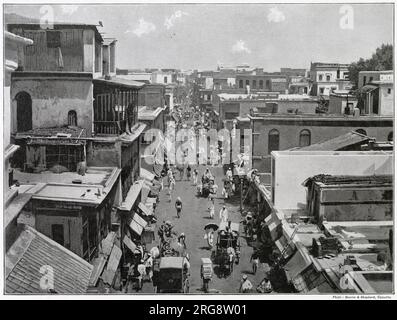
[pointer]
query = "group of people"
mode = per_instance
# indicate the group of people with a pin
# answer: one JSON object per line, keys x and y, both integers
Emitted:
{"x": 264, "y": 286}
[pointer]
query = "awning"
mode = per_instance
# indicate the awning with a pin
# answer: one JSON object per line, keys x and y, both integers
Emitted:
{"x": 295, "y": 265}
{"x": 120, "y": 82}
{"x": 129, "y": 243}
{"x": 136, "y": 227}
{"x": 140, "y": 220}
{"x": 112, "y": 265}
{"x": 146, "y": 211}
{"x": 10, "y": 150}
{"x": 132, "y": 195}
{"x": 136, "y": 132}
{"x": 158, "y": 168}
{"x": 145, "y": 174}
{"x": 15, "y": 207}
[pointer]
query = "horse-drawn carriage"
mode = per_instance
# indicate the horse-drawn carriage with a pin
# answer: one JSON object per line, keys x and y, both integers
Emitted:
{"x": 228, "y": 245}
{"x": 207, "y": 186}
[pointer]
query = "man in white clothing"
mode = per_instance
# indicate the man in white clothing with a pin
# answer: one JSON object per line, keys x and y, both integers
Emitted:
{"x": 224, "y": 214}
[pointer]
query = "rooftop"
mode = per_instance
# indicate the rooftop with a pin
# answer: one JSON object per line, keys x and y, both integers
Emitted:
{"x": 27, "y": 256}
{"x": 116, "y": 81}
{"x": 318, "y": 117}
{"x": 338, "y": 143}
{"x": 66, "y": 131}
{"x": 92, "y": 188}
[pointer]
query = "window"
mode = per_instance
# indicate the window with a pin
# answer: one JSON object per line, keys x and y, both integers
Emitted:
{"x": 370, "y": 79}
{"x": 247, "y": 82}
{"x": 304, "y": 138}
{"x": 364, "y": 80}
{"x": 388, "y": 90}
{"x": 268, "y": 84}
{"x": 165, "y": 79}
{"x": 260, "y": 84}
{"x": 72, "y": 118}
{"x": 361, "y": 131}
{"x": 254, "y": 84}
{"x": 320, "y": 77}
{"x": 321, "y": 90}
{"x": 274, "y": 141}
{"x": 328, "y": 77}
{"x": 24, "y": 111}
{"x": 57, "y": 233}
{"x": 53, "y": 39}
{"x": 390, "y": 136}
{"x": 241, "y": 84}
{"x": 338, "y": 74}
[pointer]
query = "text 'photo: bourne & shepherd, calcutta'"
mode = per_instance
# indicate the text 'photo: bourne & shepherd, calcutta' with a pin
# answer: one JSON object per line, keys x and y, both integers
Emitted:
{"x": 198, "y": 149}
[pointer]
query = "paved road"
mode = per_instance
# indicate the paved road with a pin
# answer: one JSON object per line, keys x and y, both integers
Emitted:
{"x": 194, "y": 217}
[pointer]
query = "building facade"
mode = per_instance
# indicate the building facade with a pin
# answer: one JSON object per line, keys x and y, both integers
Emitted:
{"x": 281, "y": 132}
{"x": 327, "y": 77}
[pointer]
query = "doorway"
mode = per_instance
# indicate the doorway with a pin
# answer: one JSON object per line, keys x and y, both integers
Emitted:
{"x": 24, "y": 112}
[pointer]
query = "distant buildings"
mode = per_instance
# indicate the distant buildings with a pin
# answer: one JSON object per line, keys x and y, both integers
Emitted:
{"x": 327, "y": 77}
{"x": 242, "y": 105}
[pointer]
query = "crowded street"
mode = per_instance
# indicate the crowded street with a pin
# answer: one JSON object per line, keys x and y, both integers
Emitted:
{"x": 195, "y": 215}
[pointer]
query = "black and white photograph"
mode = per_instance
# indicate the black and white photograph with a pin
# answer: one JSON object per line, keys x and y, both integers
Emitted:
{"x": 198, "y": 149}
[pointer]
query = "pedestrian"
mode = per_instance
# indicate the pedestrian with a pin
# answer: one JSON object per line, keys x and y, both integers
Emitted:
{"x": 154, "y": 252}
{"x": 229, "y": 174}
{"x": 149, "y": 267}
{"x": 182, "y": 240}
{"x": 224, "y": 214}
{"x": 188, "y": 172}
{"x": 225, "y": 193}
{"x": 142, "y": 273}
{"x": 195, "y": 176}
{"x": 255, "y": 262}
{"x": 181, "y": 172}
{"x": 171, "y": 188}
{"x": 186, "y": 264}
{"x": 246, "y": 285}
{"x": 178, "y": 206}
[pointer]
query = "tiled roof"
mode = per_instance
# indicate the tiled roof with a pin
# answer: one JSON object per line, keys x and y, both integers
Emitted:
{"x": 31, "y": 252}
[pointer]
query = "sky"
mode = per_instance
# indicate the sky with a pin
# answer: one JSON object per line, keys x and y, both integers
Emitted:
{"x": 203, "y": 36}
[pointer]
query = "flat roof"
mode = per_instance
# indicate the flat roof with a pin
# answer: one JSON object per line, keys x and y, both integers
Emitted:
{"x": 94, "y": 187}
{"x": 288, "y": 153}
{"x": 56, "y": 26}
{"x": 318, "y": 117}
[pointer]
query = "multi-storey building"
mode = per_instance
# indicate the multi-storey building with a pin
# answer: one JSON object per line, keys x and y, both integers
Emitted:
{"x": 327, "y": 77}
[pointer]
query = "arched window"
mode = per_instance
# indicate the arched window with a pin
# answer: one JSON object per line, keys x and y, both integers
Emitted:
{"x": 241, "y": 84}
{"x": 304, "y": 138}
{"x": 72, "y": 118}
{"x": 268, "y": 84}
{"x": 361, "y": 131}
{"x": 260, "y": 84}
{"x": 274, "y": 141}
{"x": 24, "y": 112}
{"x": 390, "y": 136}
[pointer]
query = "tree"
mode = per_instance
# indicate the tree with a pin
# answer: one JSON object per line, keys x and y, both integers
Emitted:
{"x": 382, "y": 59}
